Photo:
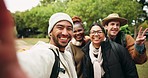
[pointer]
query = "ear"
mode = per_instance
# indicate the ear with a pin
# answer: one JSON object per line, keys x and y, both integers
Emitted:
{"x": 105, "y": 27}
{"x": 49, "y": 34}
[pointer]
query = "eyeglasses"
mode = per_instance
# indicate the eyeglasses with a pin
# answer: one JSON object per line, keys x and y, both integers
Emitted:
{"x": 96, "y": 32}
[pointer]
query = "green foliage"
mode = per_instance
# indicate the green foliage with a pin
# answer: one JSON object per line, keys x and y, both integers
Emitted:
{"x": 125, "y": 29}
{"x": 95, "y": 10}
{"x": 36, "y": 19}
{"x": 144, "y": 24}
{"x": 90, "y": 11}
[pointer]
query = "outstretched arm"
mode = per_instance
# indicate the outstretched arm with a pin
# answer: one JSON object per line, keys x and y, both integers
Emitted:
{"x": 9, "y": 67}
{"x": 140, "y": 47}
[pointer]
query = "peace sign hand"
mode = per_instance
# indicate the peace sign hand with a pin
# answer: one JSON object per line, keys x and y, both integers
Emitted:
{"x": 141, "y": 38}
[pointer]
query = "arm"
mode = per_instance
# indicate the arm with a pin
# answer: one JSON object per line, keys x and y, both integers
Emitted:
{"x": 87, "y": 38}
{"x": 36, "y": 62}
{"x": 9, "y": 67}
{"x": 140, "y": 56}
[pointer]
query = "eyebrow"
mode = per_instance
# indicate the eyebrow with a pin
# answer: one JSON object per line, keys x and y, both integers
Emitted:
{"x": 62, "y": 25}
{"x": 96, "y": 30}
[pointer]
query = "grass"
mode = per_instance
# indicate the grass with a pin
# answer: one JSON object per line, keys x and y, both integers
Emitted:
{"x": 142, "y": 69}
{"x": 33, "y": 41}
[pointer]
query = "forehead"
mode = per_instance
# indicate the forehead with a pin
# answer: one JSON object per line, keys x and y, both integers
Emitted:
{"x": 95, "y": 28}
{"x": 78, "y": 25}
{"x": 64, "y": 22}
{"x": 114, "y": 21}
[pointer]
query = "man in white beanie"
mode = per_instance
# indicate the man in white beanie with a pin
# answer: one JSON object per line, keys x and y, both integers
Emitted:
{"x": 41, "y": 60}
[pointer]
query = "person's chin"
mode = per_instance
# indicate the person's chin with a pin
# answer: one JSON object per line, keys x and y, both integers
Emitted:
{"x": 96, "y": 42}
{"x": 63, "y": 44}
{"x": 114, "y": 34}
{"x": 79, "y": 40}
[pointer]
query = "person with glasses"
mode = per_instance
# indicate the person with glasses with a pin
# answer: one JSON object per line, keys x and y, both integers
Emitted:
{"x": 104, "y": 58}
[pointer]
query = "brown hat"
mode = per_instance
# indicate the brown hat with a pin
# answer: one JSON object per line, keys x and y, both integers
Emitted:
{"x": 114, "y": 16}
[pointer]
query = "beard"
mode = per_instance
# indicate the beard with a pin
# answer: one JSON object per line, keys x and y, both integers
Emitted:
{"x": 57, "y": 43}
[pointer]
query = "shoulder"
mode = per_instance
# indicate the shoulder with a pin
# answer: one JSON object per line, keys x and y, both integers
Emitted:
{"x": 129, "y": 37}
{"x": 117, "y": 47}
{"x": 87, "y": 38}
{"x": 40, "y": 44}
{"x": 38, "y": 52}
{"x": 34, "y": 61}
{"x": 85, "y": 49}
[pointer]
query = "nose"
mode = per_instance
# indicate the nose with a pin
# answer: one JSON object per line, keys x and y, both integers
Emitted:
{"x": 96, "y": 33}
{"x": 77, "y": 32}
{"x": 65, "y": 32}
{"x": 115, "y": 26}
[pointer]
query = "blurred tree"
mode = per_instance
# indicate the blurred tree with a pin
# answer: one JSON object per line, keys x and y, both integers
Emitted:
{"x": 33, "y": 21}
{"x": 46, "y": 2}
{"x": 90, "y": 11}
{"x": 144, "y": 3}
{"x": 95, "y": 10}
{"x": 144, "y": 25}
{"x": 125, "y": 29}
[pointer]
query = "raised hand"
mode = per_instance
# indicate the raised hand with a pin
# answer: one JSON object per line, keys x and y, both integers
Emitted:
{"x": 9, "y": 67}
{"x": 141, "y": 38}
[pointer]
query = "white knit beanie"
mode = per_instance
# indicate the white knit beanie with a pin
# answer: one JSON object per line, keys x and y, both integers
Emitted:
{"x": 56, "y": 18}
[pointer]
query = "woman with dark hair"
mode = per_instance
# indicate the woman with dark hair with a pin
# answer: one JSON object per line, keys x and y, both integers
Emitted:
{"x": 106, "y": 59}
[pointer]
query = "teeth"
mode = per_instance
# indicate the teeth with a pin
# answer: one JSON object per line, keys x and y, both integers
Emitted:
{"x": 63, "y": 38}
{"x": 78, "y": 36}
{"x": 96, "y": 38}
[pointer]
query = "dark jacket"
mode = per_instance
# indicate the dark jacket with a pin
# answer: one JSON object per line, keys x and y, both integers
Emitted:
{"x": 129, "y": 42}
{"x": 115, "y": 64}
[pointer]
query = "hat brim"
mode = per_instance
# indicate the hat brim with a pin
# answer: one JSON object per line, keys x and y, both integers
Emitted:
{"x": 122, "y": 21}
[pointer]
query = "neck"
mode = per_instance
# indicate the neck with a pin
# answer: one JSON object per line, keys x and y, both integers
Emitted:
{"x": 77, "y": 43}
{"x": 112, "y": 37}
{"x": 96, "y": 45}
{"x": 62, "y": 50}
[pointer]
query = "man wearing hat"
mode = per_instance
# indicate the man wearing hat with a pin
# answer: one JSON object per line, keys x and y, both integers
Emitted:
{"x": 136, "y": 48}
{"x": 39, "y": 61}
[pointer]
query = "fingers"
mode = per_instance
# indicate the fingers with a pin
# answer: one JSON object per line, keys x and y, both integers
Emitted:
{"x": 2, "y": 5}
{"x": 144, "y": 31}
{"x": 141, "y": 40}
{"x": 140, "y": 31}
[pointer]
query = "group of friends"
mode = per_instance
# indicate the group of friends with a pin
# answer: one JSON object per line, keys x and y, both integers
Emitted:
{"x": 106, "y": 53}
